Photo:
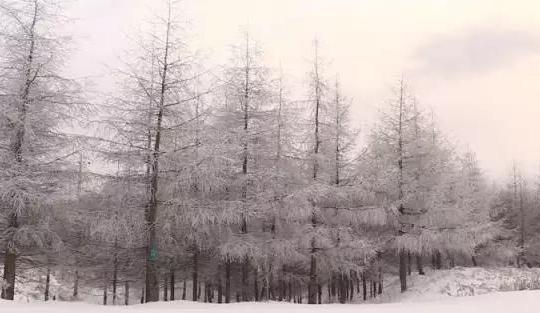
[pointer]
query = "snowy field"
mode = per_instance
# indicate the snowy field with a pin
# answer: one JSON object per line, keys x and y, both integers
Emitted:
{"x": 500, "y": 302}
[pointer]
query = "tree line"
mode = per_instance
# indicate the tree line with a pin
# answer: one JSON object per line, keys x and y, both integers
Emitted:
{"x": 218, "y": 183}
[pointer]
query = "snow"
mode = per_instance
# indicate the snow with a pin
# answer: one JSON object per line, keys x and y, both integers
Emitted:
{"x": 500, "y": 302}
{"x": 460, "y": 281}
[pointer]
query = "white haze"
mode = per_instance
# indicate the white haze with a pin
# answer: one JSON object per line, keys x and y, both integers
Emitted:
{"x": 475, "y": 62}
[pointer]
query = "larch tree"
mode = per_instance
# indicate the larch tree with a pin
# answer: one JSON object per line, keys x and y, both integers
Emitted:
{"x": 155, "y": 90}
{"x": 36, "y": 101}
{"x": 245, "y": 119}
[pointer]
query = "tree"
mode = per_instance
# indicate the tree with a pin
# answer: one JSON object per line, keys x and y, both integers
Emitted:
{"x": 35, "y": 102}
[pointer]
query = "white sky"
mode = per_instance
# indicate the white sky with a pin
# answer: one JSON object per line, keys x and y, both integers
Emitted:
{"x": 476, "y": 62}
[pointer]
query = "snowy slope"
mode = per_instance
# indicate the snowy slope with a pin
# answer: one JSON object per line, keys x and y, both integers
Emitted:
{"x": 460, "y": 281}
{"x": 502, "y": 302}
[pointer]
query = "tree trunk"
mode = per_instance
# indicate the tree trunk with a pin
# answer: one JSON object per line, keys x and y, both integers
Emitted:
{"x": 184, "y": 287}
{"x": 152, "y": 283}
{"x": 403, "y": 270}
{"x": 342, "y": 288}
{"x": 364, "y": 286}
{"x": 142, "y": 295}
{"x": 409, "y": 263}
{"x": 451, "y": 260}
{"x": 351, "y": 286}
{"x": 17, "y": 141}
{"x": 281, "y": 288}
{"x": 195, "y": 273}
{"x": 115, "y": 278}
{"x": 227, "y": 281}
{"x": 47, "y": 284}
{"x": 173, "y": 284}
{"x": 290, "y": 295}
{"x": 245, "y": 282}
{"x": 8, "y": 292}
{"x": 420, "y": 264}
{"x": 105, "y": 293}
{"x": 165, "y": 288}
{"x": 220, "y": 288}
{"x": 380, "y": 280}
{"x": 473, "y": 259}
{"x": 312, "y": 288}
{"x": 437, "y": 260}
{"x": 256, "y": 285}
{"x": 76, "y": 285}
{"x": 126, "y": 291}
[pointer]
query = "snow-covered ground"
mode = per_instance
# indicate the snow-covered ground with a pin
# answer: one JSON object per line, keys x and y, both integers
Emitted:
{"x": 457, "y": 290}
{"x": 500, "y": 302}
{"x": 459, "y": 282}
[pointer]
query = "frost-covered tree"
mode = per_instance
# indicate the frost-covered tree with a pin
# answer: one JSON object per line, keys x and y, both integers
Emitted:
{"x": 435, "y": 191}
{"x": 35, "y": 103}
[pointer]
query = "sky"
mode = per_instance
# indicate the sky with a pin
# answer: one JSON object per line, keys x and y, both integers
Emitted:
{"x": 476, "y": 63}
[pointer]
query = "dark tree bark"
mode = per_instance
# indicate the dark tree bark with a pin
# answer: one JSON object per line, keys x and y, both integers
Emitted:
{"x": 126, "y": 291}
{"x": 420, "y": 264}
{"x": 256, "y": 285}
{"x": 281, "y": 288}
{"x": 289, "y": 289}
{"x": 312, "y": 288}
{"x": 227, "y": 281}
{"x": 47, "y": 284}
{"x": 437, "y": 260}
{"x": 402, "y": 253}
{"x": 245, "y": 283}
{"x": 184, "y": 287}
{"x": 219, "y": 288}
{"x": 351, "y": 286}
{"x": 165, "y": 288}
{"x": 76, "y": 285}
{"x": 173, "y": 284}
{"x": 151, "y": 282}
{"x": 364, "y": 290}
{"x": 105, "y": 292}
{"x": 195, "y": 273}
{"x": 451, "y": 260}
{"x": 210, "y": 287}
{"x": 142, "y": 295}
{"x": 205, "y": 294}
{"x": 115, "y": 277}
{"x": 409, "y": 263}
{"x": 332, "y": 288}
{"x": 342, "y": 288}
{"x": 403, "y": 270}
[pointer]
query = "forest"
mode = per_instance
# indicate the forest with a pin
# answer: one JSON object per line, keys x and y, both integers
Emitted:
{"x": 228, "y": 184}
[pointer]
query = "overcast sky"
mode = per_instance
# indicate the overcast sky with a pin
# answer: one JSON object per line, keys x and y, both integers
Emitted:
{"x": 476, "y": 62}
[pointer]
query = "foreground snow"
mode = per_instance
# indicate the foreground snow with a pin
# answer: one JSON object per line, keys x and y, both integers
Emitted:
{"x": 500, "y": 302}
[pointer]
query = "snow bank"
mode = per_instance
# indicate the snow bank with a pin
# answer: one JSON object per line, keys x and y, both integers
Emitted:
{"x": 461, "y": 281}
{"x": 502, "y": 302}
